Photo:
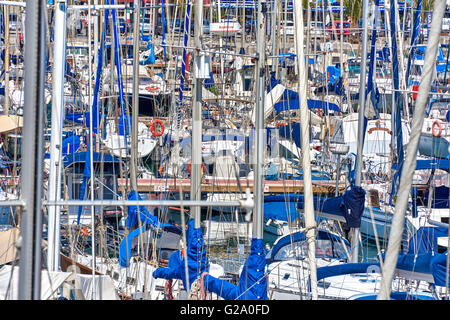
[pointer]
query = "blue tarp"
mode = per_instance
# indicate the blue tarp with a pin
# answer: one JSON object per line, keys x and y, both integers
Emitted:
{"x": 252, "y": 281}
{"x": 197, "y": 259}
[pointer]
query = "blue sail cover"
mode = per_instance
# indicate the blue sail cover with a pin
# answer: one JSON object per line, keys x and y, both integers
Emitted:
{"x": 252, "y": 281}
{"x": 349, "y": 206}
{"x": 197, "y": 258}
{"x": 282, "y": 210}
{"x": 125, "y": 246}
{"x": 439, "y": 269}
{"x": 422, "y": 248}
{"x": 144, "y": 215}
{"x": 354, "y": 199}
{"x": 283, "y": 207}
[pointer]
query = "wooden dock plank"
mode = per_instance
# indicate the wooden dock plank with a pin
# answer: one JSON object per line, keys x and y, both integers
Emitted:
{"x": 229, "y": 185}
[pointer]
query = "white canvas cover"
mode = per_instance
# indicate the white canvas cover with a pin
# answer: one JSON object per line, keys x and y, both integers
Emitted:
{"x": 9, "y": 282}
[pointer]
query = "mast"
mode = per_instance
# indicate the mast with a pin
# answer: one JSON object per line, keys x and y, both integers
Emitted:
{"x": 196, "y": 161}
{"x": 91, "y": 152}
{"x": 222, "y": 78}
{"x": 6, "y": 65}
{"x": 54, "y": 188}
{"x": 95, "y": 33}
{"x": 306, "y": 164}
{"x": 360, "y": 141}
{"x": 258, "y": 191}
{"x": 397, "y": 226}
{"x": 33, "y": 146}
{"x": 135, "y": 99}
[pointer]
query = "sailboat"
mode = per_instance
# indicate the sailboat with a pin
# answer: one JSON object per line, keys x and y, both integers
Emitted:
{"x": 179, "y": 204}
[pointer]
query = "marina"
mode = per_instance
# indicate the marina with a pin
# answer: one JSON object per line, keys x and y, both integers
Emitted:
{"x": 224, "y": 150}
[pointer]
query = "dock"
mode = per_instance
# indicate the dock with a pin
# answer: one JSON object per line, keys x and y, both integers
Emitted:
{"x": 210, "y": 185}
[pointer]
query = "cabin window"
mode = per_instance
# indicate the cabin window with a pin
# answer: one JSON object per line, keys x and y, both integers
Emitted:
{"x": 324, "y": 248}
{"x": 298, "y": 251}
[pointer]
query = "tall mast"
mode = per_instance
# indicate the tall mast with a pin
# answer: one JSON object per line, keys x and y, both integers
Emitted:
{"x": 91, "y": 151}
{"x": 258, "y": 190}
{"x": 360, "y": 141}
{"x": 33, "y": 147}
{"x": 395, "y": 235}
{"x": 6, "y": 64}
{"x": 310, "y": 224}
{"x": 135, "y": 99}
{"x": 196, "y": 161}
{"x": 54, "y": 188}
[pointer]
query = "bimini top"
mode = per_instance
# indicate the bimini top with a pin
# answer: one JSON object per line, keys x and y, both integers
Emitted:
{"x": 80, "y": 157}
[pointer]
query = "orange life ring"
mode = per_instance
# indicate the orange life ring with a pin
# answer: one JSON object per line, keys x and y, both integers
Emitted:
{"x": 84, "y": 232}
{"x": 153, "y": 128}
{"x": 379, "y": 128}
{"x": 189, "y": 167}
{"x": 149, "y": 88}
{"x": 161, "y": 168}
{"x": 433, "y": 127}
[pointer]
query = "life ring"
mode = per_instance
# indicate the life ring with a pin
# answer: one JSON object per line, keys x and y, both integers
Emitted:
{"x": 84, "y": 232}
{"x": 149, "y": 88}
{"x": 379, "y": 128}
{"x": 161, "y": 168}
{"x": 280, "y": 124}
{"x": 189, "y": 168}
{"x": 153, "y": 128}
{"x": 433, "y": 127}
